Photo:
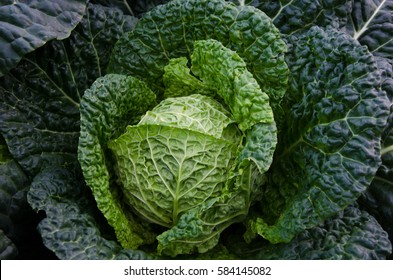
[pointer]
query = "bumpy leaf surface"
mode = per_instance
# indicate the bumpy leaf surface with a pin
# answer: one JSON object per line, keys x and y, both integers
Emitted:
{"x": 181, "y": 169}
{"x": 329, "y": 147}
{"x": 39, "y": 108}
{"x": 28, "y": 25}
{"x": 169, "y": 31}
{"x": 292, "y": 16}
{"x": 106, "y": 108}
{"x": 194, "y": 112}
{"x": 368, "y": 21}
{"x": 352, "y": 234}
{"x": 71, "y": 229}
{"x": 379, "y": 196}
{"x": 371, "y": 23}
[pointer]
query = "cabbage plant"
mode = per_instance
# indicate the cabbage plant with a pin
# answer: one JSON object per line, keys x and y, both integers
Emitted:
{"x": 202, "y": 129}
{"x": 191, "y": 163}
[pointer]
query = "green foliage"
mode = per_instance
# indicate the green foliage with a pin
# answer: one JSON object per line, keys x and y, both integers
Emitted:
{"x": 335, "y": 110}
{"x": 27, "y": 25}
{"x": 197, "y": 129}
{"x": 183, "y": 166}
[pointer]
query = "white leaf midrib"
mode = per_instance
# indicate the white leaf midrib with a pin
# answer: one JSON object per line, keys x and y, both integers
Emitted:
{"x": 359, "y": 33}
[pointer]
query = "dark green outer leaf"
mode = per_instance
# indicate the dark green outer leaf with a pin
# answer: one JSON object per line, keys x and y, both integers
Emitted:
{"x": 71, "y": 228}
{"x": 371, "y": 23}
{"x": 39, "y": 108}
{"x": 368, "y": 21}
{"x": 169, "y": 31}
{"x": 353, "y": 234}
{"x": 378, "y": 199}
{"x": 328, "y": 150}
{"x": 291, "y": 16}
{"x": 27, "y": 25}
{"x": 140, "y": 7}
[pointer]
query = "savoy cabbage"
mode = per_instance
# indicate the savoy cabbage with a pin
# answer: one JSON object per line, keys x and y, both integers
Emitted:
{"x": 198, "y": 129}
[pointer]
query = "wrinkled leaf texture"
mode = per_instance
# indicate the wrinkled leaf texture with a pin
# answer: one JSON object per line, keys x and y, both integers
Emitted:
{"x": 371, "y": 23}
{"x": 352, "y": 234}
{"x": 378, "y": 199}
{"x": 107, "y": 107}
{"x": 40, "y": 98}
{"x": 39, "y": 108}
{"x": 71, "y": 228}
{"x": 329, "y": 148}
{"x": 169, "y": 31}
{"x": 56, "y": 244}
{"x": 117, "y": 96}
{"x": 368, "y": 21}
{"x": 28, "y": 25}
{"x": 132, "y": 7}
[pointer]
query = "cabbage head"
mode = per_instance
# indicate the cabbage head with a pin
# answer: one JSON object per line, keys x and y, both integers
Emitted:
{"x": 182, "y": 167}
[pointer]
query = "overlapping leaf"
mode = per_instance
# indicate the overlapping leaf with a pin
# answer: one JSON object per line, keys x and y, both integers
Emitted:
{"x": 292, "y": 16}
{"x": 328, "y": 150}
{"x": 39, "y": 106}
{"x": 371, "y": 23}
{"x": 352, "y": 234}
{"x": 72, "y": 228}
{"x": 169, "y": 31}
{"x": 28, "y": 25}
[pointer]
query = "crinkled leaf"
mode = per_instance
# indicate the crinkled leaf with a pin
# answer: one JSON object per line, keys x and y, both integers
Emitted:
{"x": 189, "y": 112}
{"x": 386, "y": 67}
{"x": 39, "y": 106}
{"x": 260, "y": 146}
{"x": 368, "y": 21}
{"x": 378, "y": 198}
{"x": 291, "y": 16}
{"x": 198, "y": 230}
{"x": 371, "y": 23}
{"x": 140, "y": 7}
{"x": 179, "y": 81}
{"x": 352, "y": 234}
{"x": 181, "y": 169}
{"x": 106, "y": 108}
{"x": 71, "y": 227}
{"x": 28, "y": 25}
{"x": 169, "y": 31}
{"x": 329, "y": 147}
{"x": 223, "y": 70}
